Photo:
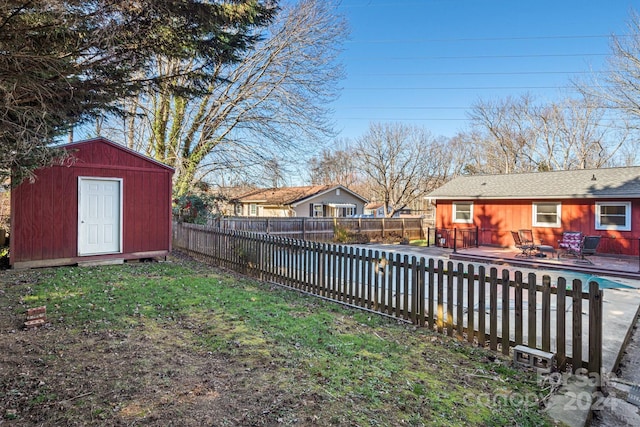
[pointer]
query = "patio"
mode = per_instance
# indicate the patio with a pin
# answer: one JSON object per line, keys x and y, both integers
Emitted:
{"x": 610, "y": 265}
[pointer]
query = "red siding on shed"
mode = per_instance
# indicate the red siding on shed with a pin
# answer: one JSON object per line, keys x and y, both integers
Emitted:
{"x": 45, "y": 213}
{"x": 496, "y": 218}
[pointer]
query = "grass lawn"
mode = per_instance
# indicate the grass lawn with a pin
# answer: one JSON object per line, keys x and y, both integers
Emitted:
{"x": 180, "y": 343}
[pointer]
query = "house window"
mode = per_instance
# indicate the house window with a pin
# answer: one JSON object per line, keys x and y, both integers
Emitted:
{"x": 613, "y": 216}
{"x": 317, "y": 210}
{"x": 463, "y": 212}
{"x": 253, "y": 209}
{"x": 348, "y": 211}
{"x": 547, "y": 214}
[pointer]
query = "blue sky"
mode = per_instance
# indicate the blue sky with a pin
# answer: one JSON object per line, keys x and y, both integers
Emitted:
{"x": 426, "y": 62}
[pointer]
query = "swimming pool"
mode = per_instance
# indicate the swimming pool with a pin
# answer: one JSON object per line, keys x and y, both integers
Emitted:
{"x": 585, "y": 278}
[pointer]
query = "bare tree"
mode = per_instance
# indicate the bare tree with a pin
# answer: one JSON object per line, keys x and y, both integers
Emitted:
{"x": 401, "y": 163}
{"x": 272, "y": 103}
{"x": 508, "y": 134}
{"x": 334, "y": 167}
{"x": 520, "y": 135}
{"x": 619, "y": 89}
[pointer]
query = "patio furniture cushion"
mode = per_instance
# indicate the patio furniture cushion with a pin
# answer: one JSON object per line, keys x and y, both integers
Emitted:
{"x": 571, "y": 242}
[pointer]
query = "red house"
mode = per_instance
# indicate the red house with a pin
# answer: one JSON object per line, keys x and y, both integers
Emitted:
{"x": 604, "y": 202}
{"x": 108, "y": 205}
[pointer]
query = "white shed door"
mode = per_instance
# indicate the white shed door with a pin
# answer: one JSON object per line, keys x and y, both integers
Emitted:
{"x": 99, "y": 216}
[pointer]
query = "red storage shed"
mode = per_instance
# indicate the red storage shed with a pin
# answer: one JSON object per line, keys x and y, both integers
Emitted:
{"x": 109, "y": 204}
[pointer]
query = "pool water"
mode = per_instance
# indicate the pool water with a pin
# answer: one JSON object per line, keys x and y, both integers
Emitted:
{"x": 586, "y": 278}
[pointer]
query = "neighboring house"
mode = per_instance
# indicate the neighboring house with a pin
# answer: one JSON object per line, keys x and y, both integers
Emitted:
{"x": 308, "y": 201}
{"x": 108, "y": 205}
{"x": 376, "y": 210}
{"x": 603, "y": 202}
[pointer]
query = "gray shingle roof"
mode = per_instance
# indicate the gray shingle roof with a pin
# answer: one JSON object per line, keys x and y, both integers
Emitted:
{"x": 585, "y": 183}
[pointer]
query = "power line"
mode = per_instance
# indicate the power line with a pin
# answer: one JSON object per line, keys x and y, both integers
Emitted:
{"x": 457, "y": 88}
{"x": 474, "y": 73}
{"x": 535, "y": 55}
{"x": 485, "y": 39}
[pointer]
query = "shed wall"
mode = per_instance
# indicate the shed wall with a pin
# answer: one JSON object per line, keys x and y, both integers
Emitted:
{"x": 45, "y": 213}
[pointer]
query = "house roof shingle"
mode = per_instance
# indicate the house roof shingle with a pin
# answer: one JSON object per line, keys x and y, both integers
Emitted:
{"x": 287, "y": 195}
{"x": 583, "y": 183}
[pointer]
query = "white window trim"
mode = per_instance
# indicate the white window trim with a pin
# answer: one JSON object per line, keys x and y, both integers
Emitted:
{"x": 534, "y": 210}
{"x": 460, "y": 221}
{"x": 627, "y": 227}
{"x": 315, "y": 205}
{"x": 253, "y": 209}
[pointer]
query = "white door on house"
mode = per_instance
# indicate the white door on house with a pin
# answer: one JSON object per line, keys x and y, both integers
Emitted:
{"x": 99, "y": 216}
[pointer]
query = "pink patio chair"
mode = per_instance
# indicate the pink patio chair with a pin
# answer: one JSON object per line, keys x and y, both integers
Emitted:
{"x": 571, "y": 243}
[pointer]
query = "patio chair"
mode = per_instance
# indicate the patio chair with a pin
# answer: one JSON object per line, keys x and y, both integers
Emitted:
{"x": 588, "y": 247}
{"x": 571, "y": 243}
{"x": 525, "y": 248}
{"x": 542, "y": 250}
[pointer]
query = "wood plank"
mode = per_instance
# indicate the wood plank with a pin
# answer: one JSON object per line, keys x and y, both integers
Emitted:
{"x": 440, "y": 318}
{"x": 449, "y": 320}
{"x": 482, "y": 306}
{"x": 430, "y": 294}
{"x": 531, "y": 307}
{"x": 561, "y": 324}
{"x": 493, "y": 309}
{"x": 595, "y": 330}
{"x": 546, "y": 313}
{"x": 576, "y": 333}
{"x": 470, "y": 303}
{"x": 518, "y": 308}
{"x": 460, "y": 301}
{"x": 505, "y": 286}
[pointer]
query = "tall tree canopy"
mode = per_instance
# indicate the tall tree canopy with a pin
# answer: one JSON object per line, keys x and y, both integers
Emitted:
{"x": 270, "y": 104}
{"x": 63, "y": 61}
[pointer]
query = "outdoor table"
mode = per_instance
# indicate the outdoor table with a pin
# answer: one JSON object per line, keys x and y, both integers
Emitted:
{"x": 542, "y": 249}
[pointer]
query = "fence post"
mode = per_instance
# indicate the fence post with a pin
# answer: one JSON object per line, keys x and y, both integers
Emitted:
{"x": 304, "y": 228}
{"x": 455, "y": 239}
{"x": 477, "y": 240}
{"x": 595, "y": 331}
{"x": 429, "y": 236}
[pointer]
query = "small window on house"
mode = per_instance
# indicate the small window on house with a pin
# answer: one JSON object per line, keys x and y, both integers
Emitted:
{"x": 317, "y": 210}
{"x": 547, "y": 214}
{"x": 463, "y": 212}
{"x": 253, "y": 209}
{"x": 337, "y": 191}
{"x": 348, "y": 211}
{"x": 613, "y": 216}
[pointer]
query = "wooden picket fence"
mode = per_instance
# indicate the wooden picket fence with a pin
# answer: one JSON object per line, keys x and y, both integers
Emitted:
{"x": 324, "y": 229}
{"x": 498, "y": 309}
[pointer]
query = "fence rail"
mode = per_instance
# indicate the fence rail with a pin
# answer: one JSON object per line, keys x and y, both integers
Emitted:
{"x": 323, "y": 229}
{"x": 498, "y": 309}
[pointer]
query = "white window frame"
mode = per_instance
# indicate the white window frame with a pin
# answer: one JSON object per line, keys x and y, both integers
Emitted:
{"x": 627, "y": 219}
{"x": 455, "y": 213}
{"x": 253, "y": 209}
{"x": 318, "y": 210}
{"x": 534, "y": 219}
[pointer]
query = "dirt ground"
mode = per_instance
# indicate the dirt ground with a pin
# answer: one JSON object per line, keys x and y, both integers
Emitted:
{"x": 51, "y": 376}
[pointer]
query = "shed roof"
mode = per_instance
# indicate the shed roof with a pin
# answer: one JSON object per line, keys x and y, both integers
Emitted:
{"x": 584, "y": 183}
{"x": 101, "y": 140}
